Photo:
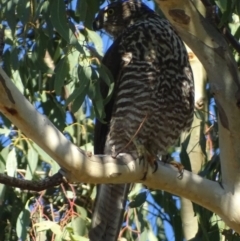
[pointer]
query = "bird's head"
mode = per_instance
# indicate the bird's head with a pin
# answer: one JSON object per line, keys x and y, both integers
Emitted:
{"x": 118, "y": 15}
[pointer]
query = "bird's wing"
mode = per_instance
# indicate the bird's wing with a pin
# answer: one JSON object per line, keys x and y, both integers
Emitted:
{"x": 112, "y": 60}
{"x": 111, "y": 199}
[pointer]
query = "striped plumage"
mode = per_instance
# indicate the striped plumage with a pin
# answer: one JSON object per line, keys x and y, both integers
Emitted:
{"x": 153, "y": 86}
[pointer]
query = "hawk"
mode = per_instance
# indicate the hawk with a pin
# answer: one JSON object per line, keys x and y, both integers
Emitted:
{"x": 152, "y": 101}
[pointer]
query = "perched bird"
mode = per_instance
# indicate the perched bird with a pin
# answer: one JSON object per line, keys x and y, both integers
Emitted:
{"x": 152, "y": 101}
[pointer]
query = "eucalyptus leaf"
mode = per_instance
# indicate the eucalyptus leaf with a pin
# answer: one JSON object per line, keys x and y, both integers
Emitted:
{"x": 139, "y": 200}
{"x": 61, "y": 71}
{"x": 11, "y": 163}
{"x": 32, "y": 163}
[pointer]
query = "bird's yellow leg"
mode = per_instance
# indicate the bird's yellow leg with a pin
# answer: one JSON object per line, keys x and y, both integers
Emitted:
{"x": 168, "y": 159}
{"x": 145, "y": 156}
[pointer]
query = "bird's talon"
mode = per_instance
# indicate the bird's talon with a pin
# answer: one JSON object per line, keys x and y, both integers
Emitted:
{"x": 180, "y": 176}
{"x": 179, "y": 166}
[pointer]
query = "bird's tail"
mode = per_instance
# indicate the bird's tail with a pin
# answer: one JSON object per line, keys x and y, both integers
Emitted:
{"x": 108, "y": 212}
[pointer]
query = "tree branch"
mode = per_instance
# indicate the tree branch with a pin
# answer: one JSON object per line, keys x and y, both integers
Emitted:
{"x": 209, "y": 45}
{"x": 41, "y": 185}
{"x": 79, "y": 166}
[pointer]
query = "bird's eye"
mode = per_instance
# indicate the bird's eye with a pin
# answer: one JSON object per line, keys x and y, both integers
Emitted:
{"x": 110, "y": 11}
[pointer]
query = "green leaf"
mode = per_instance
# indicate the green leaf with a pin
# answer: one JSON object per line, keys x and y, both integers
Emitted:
{"x": 60, "y": 22}
{"x": 8, "y": 37}
{"x": 97, "y": 101}
{"x": 105, "y": 74}
{"x": 61, "y": 70}
{"x": 78, "y": 95}
{"x": 96, "y": 40}
{"x": 203, "y": 228}
{"x": 3, "y": 157}
{"x": 199, "y": 115}
{"x": 78, "y": 238}
{"x": 139, "y": 200}
{"x": 10, "y": 15}
{"x": 38, "y": 10}
{"x": 226, "y": 9}
{"x": 32, "y": 163}
{"x": 81, "y": 9}
{"x": 11, "y": 163}
{"x": 54, "y": 111}
{"x": 46, "y": 225}
{"x": 3, "y": 189}
{"x": 82, "y": 211}
{"x": 5, "y": 131}
{"x": 43, "y": 154}
{"x": 151, "y": 236}
{"x": 144, "y": 235}
{"x": 18, "y": 81}
{"x": 45, "y": 10}
{"x": 14, "y": 58}
{"x": 23, "y": 11}
{"x": 23, "y": 222}
{"x": 59, "y": 19}
{"x": 88, "y": 147}
{"x": 77, "y": 103}
{"x": 135, "y": 189}
{"x": 79, "y": 226}
{"x": 93, "y": 7}
{"x": 237, "y": 7}
{"x": 55, "y": 167}
{"x": 107, "y": 77}
{"x": 73, "y": 61}
{"x": 39, "y": 51}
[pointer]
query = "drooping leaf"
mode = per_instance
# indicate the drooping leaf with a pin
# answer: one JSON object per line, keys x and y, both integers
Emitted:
{"x": 11, "y": 163}
{"x": 97, "y": 101}
{"x": 81, "y": 9}
{"x": 139, "y": 200}
{"x": 93, "y": 7}
{"x": 14, "y": 58}
{"x": 46, "y": 225}
{"x": 79, "y": 226}
{"x": 61, "y": 71}
{"x": 59, "y": 19}
{"x": 24, "y": 11}
{"x": 9, "y": 9}
{"x": 84, "y": 75}
{"x": 96, "y": 40}
{"x": 23, "y": 222}
{"x": 32, "y": 163}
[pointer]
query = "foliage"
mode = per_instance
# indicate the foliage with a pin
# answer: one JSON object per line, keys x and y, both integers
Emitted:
{"x": 53, "y": 57}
